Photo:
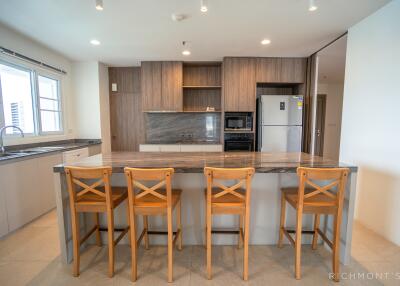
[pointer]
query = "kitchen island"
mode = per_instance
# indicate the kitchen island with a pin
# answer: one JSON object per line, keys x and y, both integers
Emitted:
{"x": 273, "y": 171}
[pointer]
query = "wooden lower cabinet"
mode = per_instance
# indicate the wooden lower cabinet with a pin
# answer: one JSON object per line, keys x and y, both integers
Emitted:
{"x": 239, "y": 84}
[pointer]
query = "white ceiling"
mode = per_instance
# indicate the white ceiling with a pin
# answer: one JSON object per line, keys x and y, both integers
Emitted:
{"x": 134, "y": 30}
{"x": 332, "y": 62}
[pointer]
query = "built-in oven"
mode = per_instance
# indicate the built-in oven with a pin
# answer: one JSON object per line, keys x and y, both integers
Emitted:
{"x": 236, "y": 142}
{"x": 238, "y": 121}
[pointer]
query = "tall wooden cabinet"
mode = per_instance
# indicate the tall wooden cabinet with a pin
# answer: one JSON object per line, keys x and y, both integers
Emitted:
{"x": 162, "y": 86}
{"x": 239, "y": 84}
{"x": 126, "y": 117}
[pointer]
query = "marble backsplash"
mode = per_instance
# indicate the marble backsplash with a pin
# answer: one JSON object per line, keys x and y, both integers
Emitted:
{"x": 170, "y": 128}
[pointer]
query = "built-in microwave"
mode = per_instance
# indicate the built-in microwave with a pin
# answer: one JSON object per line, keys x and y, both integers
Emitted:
{"x": 238, "y": 121}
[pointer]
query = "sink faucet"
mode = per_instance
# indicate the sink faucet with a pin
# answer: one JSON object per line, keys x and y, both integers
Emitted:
{"x": 2, "y": 133}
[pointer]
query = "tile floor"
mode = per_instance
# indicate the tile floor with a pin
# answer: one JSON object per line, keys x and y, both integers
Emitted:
{"x": 30, "y": 256}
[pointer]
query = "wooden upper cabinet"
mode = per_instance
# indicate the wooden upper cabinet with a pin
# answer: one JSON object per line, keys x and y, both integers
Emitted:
{"x": 162, "y": 86}
{"x": 293, "y": 70}
{"x": 281, "y": 70}
{"x": 151, "y": 86}
{"x": 171, "y": 92}
{"x": 239, "y": 84}
{"x": 268, "y": 69}
{"x": 126, "y": 78}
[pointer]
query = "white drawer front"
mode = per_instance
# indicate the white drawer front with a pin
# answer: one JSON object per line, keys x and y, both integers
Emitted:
{"x": 170, "y": 148}
{"x": 191, "y": 148}
{"x": 73, "y": 156}
{"x": 149, "y": 148}
{"x": 212, "y": 148}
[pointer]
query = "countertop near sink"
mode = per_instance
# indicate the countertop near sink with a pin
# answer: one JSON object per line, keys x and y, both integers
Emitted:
{"x": 26, "y": 151}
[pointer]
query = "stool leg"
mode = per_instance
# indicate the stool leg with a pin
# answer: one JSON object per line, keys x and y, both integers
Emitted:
{"x": 315, "y": 235}
{"x": 335, "y": 248}
{"x": 132, "y": 224}
{"x": 98, "y": 236}
{"x": 298, "y": 245}
{"x": 110, "y": 230}
{"x": 146, "y": 235}
{"x": 170, "y": 245}
{"x": 282, "y": 222}
{"x": 128, "y": 221}
{"x": 208, "y": 229}
{"x": 240, "y": 238}
{"x": 205, "y": 223}
{"x": 179, "y": 223}
{"x": 246, "y": 245}
{"x": 76, "y": 242}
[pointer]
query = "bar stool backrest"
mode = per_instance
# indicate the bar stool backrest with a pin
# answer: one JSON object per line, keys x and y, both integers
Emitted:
{"x": 78, "y": 177}
{"x": 334, "y": 179}
{"x": 134, "y": 177}
{"x": 243, "y": 177}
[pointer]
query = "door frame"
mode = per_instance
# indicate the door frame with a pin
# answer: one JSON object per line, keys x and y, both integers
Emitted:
{"x": 319, "y": 140}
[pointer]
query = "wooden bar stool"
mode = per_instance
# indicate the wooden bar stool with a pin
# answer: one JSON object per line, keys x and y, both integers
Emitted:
{"x": 324, "y": 199}
{"x": 94, "y": 197}
{"x": 234, "y": 199}
{"x": 153, "y": 200}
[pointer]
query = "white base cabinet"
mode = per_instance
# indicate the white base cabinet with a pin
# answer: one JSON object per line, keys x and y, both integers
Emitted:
{"x": 180, "y": 148}
{"x": 28, "y": 189}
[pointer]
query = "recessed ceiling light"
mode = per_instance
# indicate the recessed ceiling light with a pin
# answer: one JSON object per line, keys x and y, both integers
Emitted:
{"x": 312, "y": 7}
{"x": 95, "y": 42}
{"x": 266, "y": 42}
{"x": 203, "y": 6}
{"x": 185, "y": 51}
{"x": 99, "y": 5}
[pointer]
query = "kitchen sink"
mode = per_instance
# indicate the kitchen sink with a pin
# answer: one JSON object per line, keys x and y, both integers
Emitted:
{"x": 4, "y": 155}
{"x": 24, "y": 152}
{"x": 44, "y": 149}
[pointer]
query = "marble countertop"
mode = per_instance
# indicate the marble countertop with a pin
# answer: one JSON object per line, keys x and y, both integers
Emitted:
{"x": 28, "y": 151}
{"x": 194, "y": 162}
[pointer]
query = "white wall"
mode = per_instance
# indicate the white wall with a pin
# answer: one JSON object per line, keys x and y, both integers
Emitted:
{"x": 87, "y": 101}
{"x": 15, "y": 41}
{"x": 333, "y": 118}
{"x": 104, "y": 108}
{"x": 371, "y": 117}
{"x": 84, "y": 91}
{"x": 91, "y": 98}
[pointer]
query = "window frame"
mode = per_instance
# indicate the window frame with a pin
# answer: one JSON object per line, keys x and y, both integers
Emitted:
{"x": 59, "y": 101}
{"x": 35, "y": 95}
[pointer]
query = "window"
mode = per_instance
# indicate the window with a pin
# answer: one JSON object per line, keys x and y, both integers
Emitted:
{"x": 50, "y": 109}
{"x": 30, "y": 100}
{"x": 16, "y": 93}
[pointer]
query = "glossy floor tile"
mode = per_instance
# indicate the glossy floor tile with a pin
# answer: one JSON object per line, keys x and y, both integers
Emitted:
{"x": 30, "y": 256}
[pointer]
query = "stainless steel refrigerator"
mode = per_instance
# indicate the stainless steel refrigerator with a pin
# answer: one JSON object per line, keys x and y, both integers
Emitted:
{"x": 279, "y": 123}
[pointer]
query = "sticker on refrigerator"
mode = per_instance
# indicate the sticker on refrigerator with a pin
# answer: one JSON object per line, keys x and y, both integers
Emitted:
{"x": 300, "y": 105}
{"x": 282, "y": 105}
